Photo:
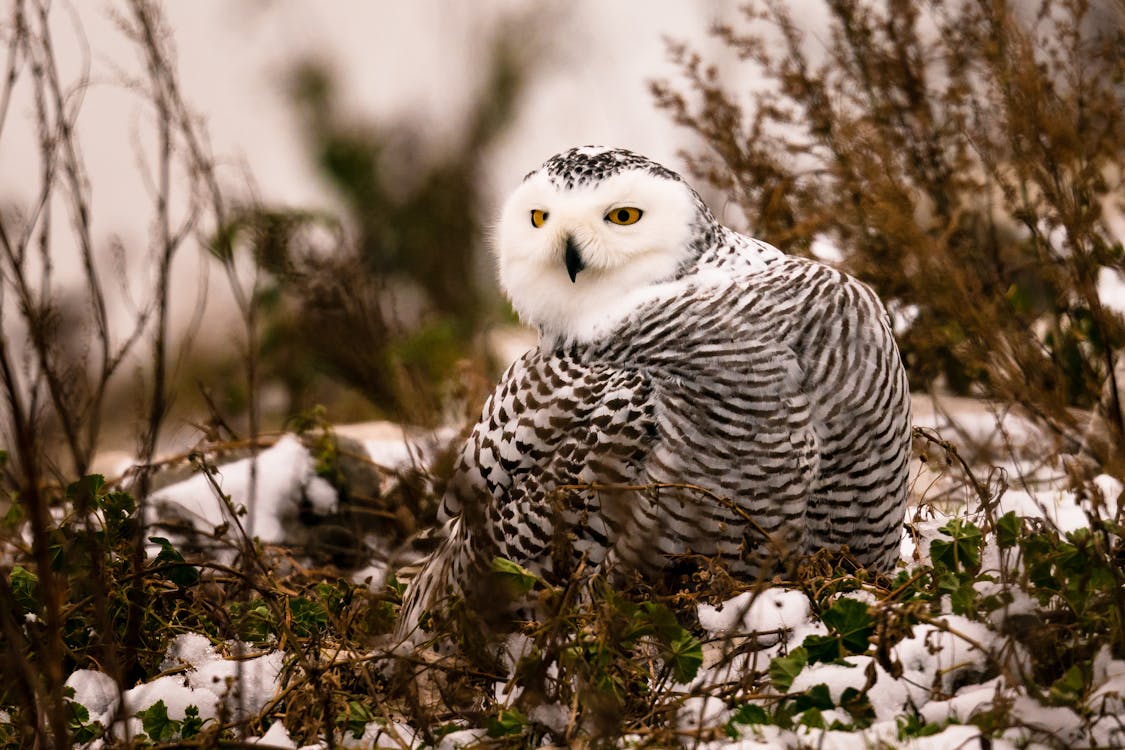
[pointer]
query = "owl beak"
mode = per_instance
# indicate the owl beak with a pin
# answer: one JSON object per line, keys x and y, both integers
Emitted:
{"x": 574, "y": 262}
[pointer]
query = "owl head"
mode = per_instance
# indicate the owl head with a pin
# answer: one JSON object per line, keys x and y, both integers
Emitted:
{"x": 589, "y": 236}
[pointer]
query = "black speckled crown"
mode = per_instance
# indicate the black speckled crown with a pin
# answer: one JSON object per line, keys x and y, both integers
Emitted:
{"x": 583, "y": 165}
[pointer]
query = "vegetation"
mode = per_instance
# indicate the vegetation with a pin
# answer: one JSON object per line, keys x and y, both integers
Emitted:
{"x": 399, "y": 271}
{"x": 598, "y": 663}
{"x": 966, "y": 160}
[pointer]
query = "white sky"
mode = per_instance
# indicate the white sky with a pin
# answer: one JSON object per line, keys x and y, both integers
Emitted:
{"x": 420, "y": 59}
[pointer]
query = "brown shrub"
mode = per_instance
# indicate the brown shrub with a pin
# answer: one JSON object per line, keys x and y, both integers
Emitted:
{"x": 966, "y": 158}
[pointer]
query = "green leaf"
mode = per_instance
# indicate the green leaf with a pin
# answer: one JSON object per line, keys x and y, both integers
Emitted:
{"x": 1008, "y": 530}
{"x": 510, "y": 721}
{"x": 784, "y": 669}
{"x": 78, "y": 722}
{"x": 192, "y": 724}
{"x": 685, "y": 655}
{"x": 750, "y": 713}
{"x": 851, "y": 625}
{"x": 396, "y": 586}
{"x": 254, "y": 619}
{"x": 963, "y": 553}
{"x": 959, "y": 588}
{"x": 179, "y": 572}
{"x": 117, "y": 511}
{"x": 25, "y": 588}
{"x": 156, "y": 723}
{"x": 1071, "y": 687}
{"x": 681, "y": 650}
{"x": 852, "y": 620}
{"x": 822, "y": 648}
{"x": 812, "y": 718}
{"x": 356, "y": 718}
{"x": 14, "y": 516}
{"x": 85, "y": 491}
{"x": 817, "y": 697}
{"x": 308, "y": 617}
{"x": 915, "y": 726}
{"x": 858, "y": 705}
{"x": 518, "y": 578}
{"x": 964, "y": 600}
{"x": 335, "y": 596}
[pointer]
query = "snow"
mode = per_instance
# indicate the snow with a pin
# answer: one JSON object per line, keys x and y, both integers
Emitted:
{"x": 887, "y": 696}
{"x": 97, "y": 692}
{"x": 756, "y": 612}
{"x": 177, "y": 696}
{"x": 953, "y": 668}
{"x": 205, "y": 679}
{"x": 700, "y": 712}
{"x": 286, "y": 479}
{"x": 940, "y": 656}
{"x": 276, "y": 736}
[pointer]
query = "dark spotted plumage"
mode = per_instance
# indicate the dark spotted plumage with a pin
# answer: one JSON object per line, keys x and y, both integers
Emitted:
{"x": 757, "y": 408}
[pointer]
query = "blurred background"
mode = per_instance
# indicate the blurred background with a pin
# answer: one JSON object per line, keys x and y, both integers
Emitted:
{"x": 219, "y": 216}
{"x": 220, "y": 220}
{"x": 364, "y": 147}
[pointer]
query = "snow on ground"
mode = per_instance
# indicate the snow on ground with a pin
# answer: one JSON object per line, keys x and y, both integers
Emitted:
{"x": 285, "y": 483}
{"x": 942, "y": 660}
{"x": 203, "y": 678}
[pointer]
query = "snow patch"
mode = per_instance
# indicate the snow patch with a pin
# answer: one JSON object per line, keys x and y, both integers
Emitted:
{"x": 286, "y": 484}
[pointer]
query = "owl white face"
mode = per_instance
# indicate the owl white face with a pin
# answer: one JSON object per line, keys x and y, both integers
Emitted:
{"x": 574, "y": 261}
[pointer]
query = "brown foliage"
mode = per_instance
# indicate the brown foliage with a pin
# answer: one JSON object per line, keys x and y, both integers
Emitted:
{"x": 966, "y": 157}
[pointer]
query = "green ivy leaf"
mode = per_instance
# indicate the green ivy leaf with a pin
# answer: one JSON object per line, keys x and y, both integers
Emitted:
{"x": 85, "y": 491}
{"x": 812, "y": 718}
{"x": 681, "y": 650}
{"x": 749, "y": 713}
{"x": 1008, "y": 530}
{"x": 961, "y": 554}
{"x": 78, "y": 722}
{"x": 308, "y": 617}
{"x": 192, "y": 724}
{"x": 396, "y": 586}
{"x": 784, "y": 669}
{"x": 117, "y": 511}
{"x": 156, "y": 723}
{"x": 255, "y": 620}
{"x": 1071, "y": 687}
{"x": 822, "y": 648}
{"x": 818, "y": 696}
{"x": 851, "y": 625}
{"x": 25, "y": 588}
{"x": 179, "y": 572}
{"x": 355, "y": 718}
{"x": 852, "y": 620}
{"x": 858, "y": 705}
{"x": 510, "y": 721}
{"x": 915, "y": 726}
{"x": 685, "y": 654}
{"x": 962, "y": 595}
{"x": 518, "y": 578}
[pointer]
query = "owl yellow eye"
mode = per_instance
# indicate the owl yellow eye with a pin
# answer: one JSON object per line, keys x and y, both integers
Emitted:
{"x": 624, "y": 216}
{"x": 538, "y": 218}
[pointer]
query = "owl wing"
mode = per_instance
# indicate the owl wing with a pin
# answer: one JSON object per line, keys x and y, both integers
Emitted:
{"x": 690, "y": 424}
{"x": 552, "y": 423}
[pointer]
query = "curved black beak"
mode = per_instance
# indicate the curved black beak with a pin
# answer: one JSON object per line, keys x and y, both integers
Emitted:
{"x": 574, "y": 262}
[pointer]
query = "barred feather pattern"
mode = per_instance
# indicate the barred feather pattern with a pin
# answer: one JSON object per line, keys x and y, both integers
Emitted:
{"x": 758, "y": 409}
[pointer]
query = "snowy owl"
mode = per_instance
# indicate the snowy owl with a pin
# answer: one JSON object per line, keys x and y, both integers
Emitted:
{"x": 695, "y": 394}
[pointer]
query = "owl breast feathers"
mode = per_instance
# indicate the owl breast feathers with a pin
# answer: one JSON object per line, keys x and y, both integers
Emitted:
{"x": 695, "y": 392}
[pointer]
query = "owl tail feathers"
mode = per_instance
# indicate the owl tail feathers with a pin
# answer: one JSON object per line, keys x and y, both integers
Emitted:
{"x": 440, "y": 580}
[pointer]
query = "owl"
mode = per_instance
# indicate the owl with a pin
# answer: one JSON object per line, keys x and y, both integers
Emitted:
{"x": 696, "y": 394}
